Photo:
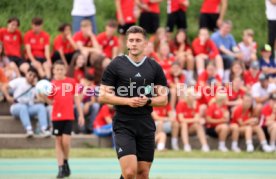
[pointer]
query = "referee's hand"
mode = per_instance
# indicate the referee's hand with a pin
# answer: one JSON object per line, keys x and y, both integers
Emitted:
{"x": 136, "y": 102}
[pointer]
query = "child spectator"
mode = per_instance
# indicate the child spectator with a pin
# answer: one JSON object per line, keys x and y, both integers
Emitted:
{"x": 165, "y": 58}
{"x": 235, "y": 92}
{"x": 159, "y": 37}
{"x": 103, "y": 123}
{"x": 251, "y": 76}
{"x": 237, "y": 70}
{"x": 248, "y": 47}
{"x": 205, "y": 50}
{"x": 37, "y": 44}
{"x": 77, "y": 67}
{"x": 267, "y": 63}
{"x": 3, "y": 81}
{"x": 64, "y": 45}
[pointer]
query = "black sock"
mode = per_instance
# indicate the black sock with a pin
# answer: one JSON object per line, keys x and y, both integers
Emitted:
{"x": 121, "y": 177}
{"x": 65, "y": 161}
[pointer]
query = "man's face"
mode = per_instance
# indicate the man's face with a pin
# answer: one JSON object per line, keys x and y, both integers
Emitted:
{"x": 30, "y": 77}
{"x": 12, "y": 26}
{"x": 226, "y": 29}
{"x": 136, "y": 43}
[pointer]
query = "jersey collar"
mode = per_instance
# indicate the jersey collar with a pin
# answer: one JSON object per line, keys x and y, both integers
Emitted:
{"x": 136, "y": 64}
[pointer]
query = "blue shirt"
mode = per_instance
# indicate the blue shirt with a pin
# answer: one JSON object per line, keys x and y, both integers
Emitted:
{"x": 270, "y": 64}
{"x": 228, "y": 41}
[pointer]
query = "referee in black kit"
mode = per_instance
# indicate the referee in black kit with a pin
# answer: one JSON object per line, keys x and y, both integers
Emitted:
{"x": 134, "y": 83}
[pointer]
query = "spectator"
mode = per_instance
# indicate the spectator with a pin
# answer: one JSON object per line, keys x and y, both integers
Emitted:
{"x": 212, "y": 14}
{"x": 251, "y": 76}
{"x": 235, "y": 92}
{"x": 77, "y": 67}
{"x": 3, "y": 81}
{"x": 268, "y": 120}
{"x": 108, "y": 41}
{"x": 165, "y": 58}
{"x": 217, "y": 119}
{"x": 84, "y": 9}
{"x": 176, "y": 10}
{"x": 64, "y": 45}
{"x": 267, "y": 63}
{"x": 24, "y": 105}
{"x": 86, "y": 40}
{"x": 159, "y": 37}
{"x": 37, "y": 44}
{"x": 271, "y": 18}
{"x": 227, "y": 46}
{"x": 248, "y": 47}
{"x": 149, "y": 18}
{"x": 126, "y": 18}
{"x": 191, "y": 120}
{"x": 205, "y": 50}
{"x": 103, "y": 123}
{"x": 244, "y": 122}
{"x": 237, "y": 70}
{"x": 183, "y": 52}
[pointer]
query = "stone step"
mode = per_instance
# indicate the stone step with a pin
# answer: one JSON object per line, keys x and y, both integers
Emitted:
{"x": 11, "y": 125}
{"x": 19, "y": 141}
{"x": 4, "y": 108}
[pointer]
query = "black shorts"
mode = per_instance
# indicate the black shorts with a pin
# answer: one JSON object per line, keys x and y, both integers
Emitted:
{"x": 17, "y": 60}
{"x": 266, "y": 132}
{"x": 57, "y": 57}
{"x": 208, "y": 21}
{"x": 62, "y": 127}
{"x": 211, "y": 132}
{"x": 40, "y": 60}
{"x": 177, "y": 18}
{"x": 149, "y": 21}
{"x": 123, "y": 28}
{"x": 134, "y": 135}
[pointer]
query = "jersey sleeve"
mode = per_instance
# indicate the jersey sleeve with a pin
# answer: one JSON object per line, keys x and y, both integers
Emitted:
{"x": 160, "y": 78}
{"x": 110, "y": 75}
{"x": 26, "y": 39}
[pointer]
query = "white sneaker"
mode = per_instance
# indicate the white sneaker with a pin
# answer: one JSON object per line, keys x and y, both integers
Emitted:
{"x": 236, "y": 149}
{"x": 250, "y": 148}
{"x": 205, "y": 148}
{"x": 45, "y": 133}
{"x": 273, "y": 148}
{"x": 223, "y": 149}
{"x": 29, "y": 134}
{"x": 267, "y": 148}
{"x": 187, "y": 148}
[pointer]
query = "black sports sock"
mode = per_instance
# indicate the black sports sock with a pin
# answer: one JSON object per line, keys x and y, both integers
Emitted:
{"x": 65, "y": 161}
{"x": 121, "y": 177}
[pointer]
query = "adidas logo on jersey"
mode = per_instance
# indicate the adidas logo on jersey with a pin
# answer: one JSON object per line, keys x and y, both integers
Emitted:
{"x": 138, "y": 75}
{"x": 120, "y": 150}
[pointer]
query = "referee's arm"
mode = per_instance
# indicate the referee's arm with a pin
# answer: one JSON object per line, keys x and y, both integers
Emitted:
{"x": 161, "y": 98}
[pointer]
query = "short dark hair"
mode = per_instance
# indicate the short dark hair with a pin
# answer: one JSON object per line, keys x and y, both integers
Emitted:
{"x": 112, "y": 23}
{"x": 62, "y": 27}
{"x": 33, "y": 70}
{"x": 37, "y": 21}
{"x": 136, "y": 30}
{"x": 59, "y": 62}
{"x": 14, "y": 19}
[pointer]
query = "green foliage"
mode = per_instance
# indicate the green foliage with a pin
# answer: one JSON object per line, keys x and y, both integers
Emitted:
{"x": 243, "y": 13}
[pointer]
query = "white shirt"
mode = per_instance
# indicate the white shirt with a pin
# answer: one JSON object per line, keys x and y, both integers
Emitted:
{"x": 270, "y": 10}
{"x": 258, "y": 91}
{"x": 20, "y": 86}
{"x": 83, "y": 8}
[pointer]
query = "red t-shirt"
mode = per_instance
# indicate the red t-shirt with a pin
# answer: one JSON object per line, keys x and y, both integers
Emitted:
{"x": 12, "y": 42}
{"x": 64, "y": 44}
{"x": 188, "y": 112}
{"x": 107, "y": 43}
{"x": 215, "y": 112}
{"x": 176, "y": 5}
{"x": 37, "y": 42}
{"x": 127, "y": 8}
{"x": 153, "y": 7}
{"x": 210, "y": 6}
{"x": 234, "y": 95}
{"x": 209, "y": 48}
{"x": 266, "y": 112}
{"x": 203, "y": 78}
{"x": 86, "y": 41}
{"x": 162, "y": 111}
{"x": 238, "y": 113}
{"x": 166, "y": 63}
{"x": 174, "y": 80}
{"x": 78, "y": 74}
{"x": 103, "y": 113}
{"x": 63, "y": 99}
{"x": 249, "y": 79}
{"x": 174, "y": 47}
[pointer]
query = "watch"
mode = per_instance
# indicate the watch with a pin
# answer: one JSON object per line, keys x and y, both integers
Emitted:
{"x": 148, "y": 101}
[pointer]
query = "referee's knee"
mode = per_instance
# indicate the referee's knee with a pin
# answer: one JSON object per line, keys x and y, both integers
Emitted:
{"x": 129, "y": 173}
{"x": 143, "y": 173}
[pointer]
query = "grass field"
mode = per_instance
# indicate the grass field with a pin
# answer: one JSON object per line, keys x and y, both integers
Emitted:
{"x": 102, "y": 164}
{"x": 244, "y": 13}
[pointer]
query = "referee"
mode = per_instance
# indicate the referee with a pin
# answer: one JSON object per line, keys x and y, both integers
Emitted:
{"x": 134, "y": 83}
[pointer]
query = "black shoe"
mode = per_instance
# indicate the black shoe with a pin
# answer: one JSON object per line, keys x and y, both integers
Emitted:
{"x": 66, "y": 170}
{"x": 60, "y": 172}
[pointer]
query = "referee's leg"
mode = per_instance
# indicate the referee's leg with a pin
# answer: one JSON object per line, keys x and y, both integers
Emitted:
{"x": 129, "y": 166}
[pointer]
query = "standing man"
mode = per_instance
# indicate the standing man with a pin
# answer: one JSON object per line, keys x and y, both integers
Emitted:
{"x": 133, "y": 125}
{"x": 271, "y": 18}
{"x": 212, "y": 14}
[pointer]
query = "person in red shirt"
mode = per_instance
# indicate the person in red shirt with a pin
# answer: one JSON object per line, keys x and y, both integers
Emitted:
{"x": 268, "y": 120}
{"x": 63, "y": 97}
{"x": 183, "y": 52}
{"x": 126, "y": 17}
{"x": 77, "y": 67}
{"x": 176, "y": 10}
{"x": 108, "y": 41}
{"x": 160, "y": 37}
{"x": 243, "y": 122}
{"x": 217, "y": 118}
{"x": 149, "y": 18}
{"x": 251, "y": 76}
{"x": 212, "y": 13}
{"x": 165, "y": 58}
{"x": 102, "y": 125}
{"x": 37, "y": 44}
{"x": 205, "y": 50}
{"x": 64, "y": 45}
{"x": 86, "y": 41}
{"x": 235, "y": 92}
{"x": 191, "y": 120}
